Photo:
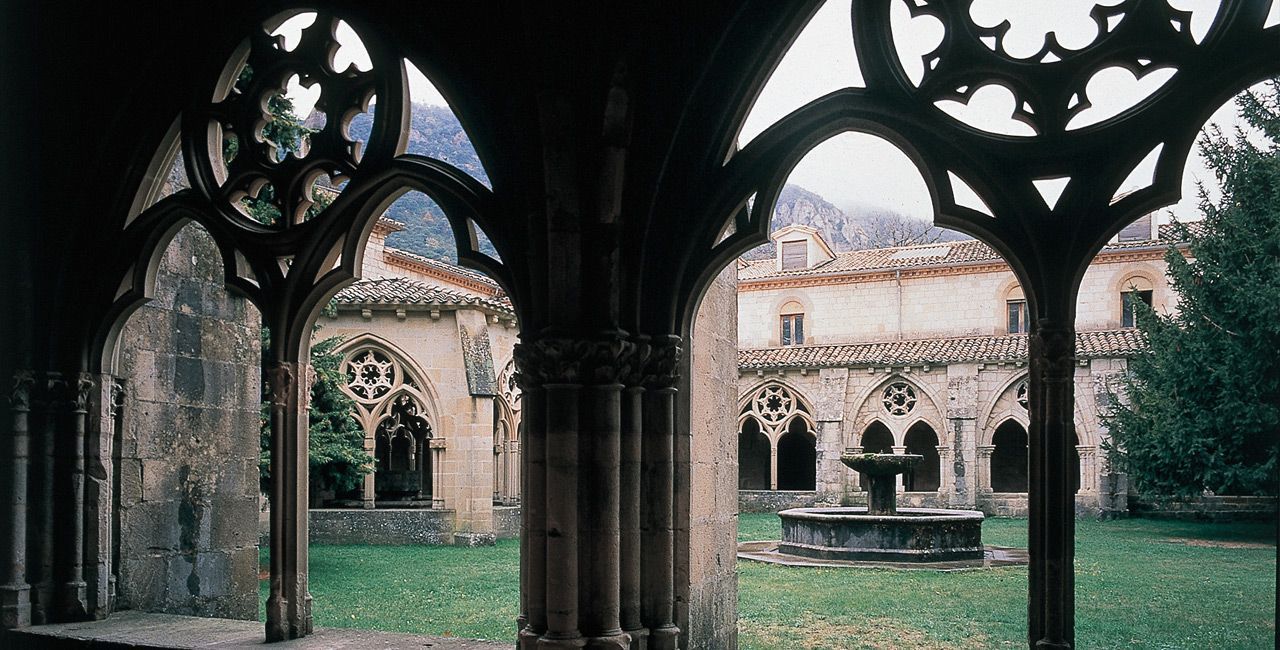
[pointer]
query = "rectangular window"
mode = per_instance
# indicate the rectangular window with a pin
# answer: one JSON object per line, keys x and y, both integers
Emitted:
{"x": 795, "y": 255}
{"x": 793, "y": 329}
{"x": 1018, "y": 317}
{"x": 1127, "y": 316}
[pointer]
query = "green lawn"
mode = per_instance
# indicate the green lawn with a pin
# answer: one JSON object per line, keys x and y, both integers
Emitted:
{"x": 1139, "y": 584}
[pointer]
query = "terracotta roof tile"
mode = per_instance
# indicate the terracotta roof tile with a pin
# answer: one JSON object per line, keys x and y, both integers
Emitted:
{"x": 940, "y": 351}
{"x": 404, "y": 291}
{"x": 966, "y": 251}
{"x": 446, "y": 267}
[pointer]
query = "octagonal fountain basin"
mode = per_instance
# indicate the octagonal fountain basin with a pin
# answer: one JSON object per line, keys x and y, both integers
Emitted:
{"x": 912, "y": 535}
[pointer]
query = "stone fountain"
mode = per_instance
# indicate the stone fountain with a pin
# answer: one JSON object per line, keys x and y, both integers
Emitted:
{"x": 881, "y": 532}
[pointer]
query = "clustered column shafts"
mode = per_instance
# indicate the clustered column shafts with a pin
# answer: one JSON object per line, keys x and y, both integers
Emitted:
{"x": 598, "y": 564}
{"x": 40, "y": 546}
{"x": 288, "y": 602}
{"x": 15, "y": 593}
{"x": 73, "y": 401}
{"x": 658, "y": 489}
{"x": 1051, "y": 604}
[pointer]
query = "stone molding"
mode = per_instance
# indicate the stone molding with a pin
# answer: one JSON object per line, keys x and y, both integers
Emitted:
{"x": 604, "y": 361}
{"x": 20, "y": 392}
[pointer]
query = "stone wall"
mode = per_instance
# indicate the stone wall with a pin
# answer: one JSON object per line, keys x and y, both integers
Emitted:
{"x": 936, "y": 305}
{"x": 188, "y": 465}
{"x": 774, "y": 500}
{"x": 389, "y": 527}
{"x": 1208, "y": 508}
{"x": 708, "y": 608}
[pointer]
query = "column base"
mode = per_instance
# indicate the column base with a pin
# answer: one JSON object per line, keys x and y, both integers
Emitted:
{"x": 75, "y": 605}
{"x": 41, "y": 603}
{"x": 15, "y": 606}
{"x": 618, "y": 641}
{"x": 1045, "y": 644}
{"x": 639, "y": 638}
{"x": 277, "y": 623}
{"x": 562, "y": 644}
{"x": 664, "y": 638}
{"x": 528, "y": 639}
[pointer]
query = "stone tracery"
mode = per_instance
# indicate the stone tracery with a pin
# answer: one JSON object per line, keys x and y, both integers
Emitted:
{"x": 898, "y": 398}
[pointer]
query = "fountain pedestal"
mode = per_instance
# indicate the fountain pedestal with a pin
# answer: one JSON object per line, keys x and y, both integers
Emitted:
{"x": 881, "y": 532}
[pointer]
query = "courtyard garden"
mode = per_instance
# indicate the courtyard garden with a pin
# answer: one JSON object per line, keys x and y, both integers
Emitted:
{"x": 1140, "y": 583}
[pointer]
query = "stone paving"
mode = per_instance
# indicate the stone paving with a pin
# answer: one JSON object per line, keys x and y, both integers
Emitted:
{"x": 142, "y": 630}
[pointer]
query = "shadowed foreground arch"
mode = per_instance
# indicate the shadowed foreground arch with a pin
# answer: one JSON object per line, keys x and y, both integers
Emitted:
{"x": 606, "y": 131}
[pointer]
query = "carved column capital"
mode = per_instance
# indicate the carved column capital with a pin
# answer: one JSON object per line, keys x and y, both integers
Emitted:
{"x": 117, "y": 396}
{"x": 70, "y": 392}
{"x": 280, "y": 378}
{"x": 1056, "y": 347}
{"x": 562, "y": 360}
{"x": 984, "y": 451}
{"x": 662, "y": 365}
{"x": 20, "y": 392}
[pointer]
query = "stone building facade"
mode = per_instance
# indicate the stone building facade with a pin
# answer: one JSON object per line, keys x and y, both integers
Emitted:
{"x": 427, "y": 353}
{"x": 920, "y": 349}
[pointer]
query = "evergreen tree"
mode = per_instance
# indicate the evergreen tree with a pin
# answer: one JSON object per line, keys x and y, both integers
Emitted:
{"x": 338, "y": 460}
{"x": 1201, "y": 408}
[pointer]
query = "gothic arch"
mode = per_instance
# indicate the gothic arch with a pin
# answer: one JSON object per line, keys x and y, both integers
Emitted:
{"x": 774, "y": 404}
{"x": 988, "y": 412}
{"x": 871, "y": 407}
{"x": 407, "y": 377}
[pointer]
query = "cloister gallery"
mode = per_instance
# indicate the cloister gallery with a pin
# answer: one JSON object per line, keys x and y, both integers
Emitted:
{"x": 619, "y": 192}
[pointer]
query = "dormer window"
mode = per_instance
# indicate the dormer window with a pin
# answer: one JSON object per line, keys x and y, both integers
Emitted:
{"x": 795, "y": 255}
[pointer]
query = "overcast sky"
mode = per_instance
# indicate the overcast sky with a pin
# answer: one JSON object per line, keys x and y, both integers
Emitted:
{"x": 854, "y": 169}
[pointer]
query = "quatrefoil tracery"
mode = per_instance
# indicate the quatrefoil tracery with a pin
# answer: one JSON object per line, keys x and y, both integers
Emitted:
{"x": 236, "y": 159}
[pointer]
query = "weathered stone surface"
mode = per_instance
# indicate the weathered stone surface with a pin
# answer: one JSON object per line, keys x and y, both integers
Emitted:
{"x": 189, "y": 447}
{"x": 383, "y": 526}
{"x": 1207, "y": 508}
{"x": 506, "y": 522}
{"x": 774, "y": 500}
{"x": 912, "y": 535}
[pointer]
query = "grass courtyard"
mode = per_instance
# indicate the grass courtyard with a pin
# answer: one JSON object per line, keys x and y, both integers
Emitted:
{"x": 1139, "y": 584}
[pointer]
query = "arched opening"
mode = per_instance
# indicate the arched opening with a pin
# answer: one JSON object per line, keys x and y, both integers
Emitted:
{"x": 753, "y": 456}
{"x": 926, "y": 477}
{"x": 876, "y": 440}
{"x": 797, "y": 458}
{"x": 1009, "y": 458}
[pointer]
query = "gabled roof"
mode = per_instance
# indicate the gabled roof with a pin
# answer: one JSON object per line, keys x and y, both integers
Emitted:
{"x": 450, "y": 271}
{"x": 404, "y": 291}
{"x": 939, "y": 254}
{"x": 939, "y": 351}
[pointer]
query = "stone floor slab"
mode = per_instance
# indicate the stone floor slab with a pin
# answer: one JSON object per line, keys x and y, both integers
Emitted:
{"x": 143, "y": 630}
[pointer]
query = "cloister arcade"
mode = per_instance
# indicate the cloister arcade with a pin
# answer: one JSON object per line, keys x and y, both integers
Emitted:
{"x": 619, "y": 191}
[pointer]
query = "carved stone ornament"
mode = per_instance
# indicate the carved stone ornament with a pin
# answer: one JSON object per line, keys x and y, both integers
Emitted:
{"x": 662, "y": 368}
{"x": 20, "y": 394}
{"x": 898, "y": 398}
{"x": 280, "y": 378}
{"x": 117, "y": 396}
{"x": 1056, "y": 347}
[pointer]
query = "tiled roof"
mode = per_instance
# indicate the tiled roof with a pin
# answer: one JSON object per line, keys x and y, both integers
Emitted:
{"x": 404, "y": 291}
{"x": 940, "y": 351}
{"x": 445, "y": 267}
{"x": 967, "y": 251}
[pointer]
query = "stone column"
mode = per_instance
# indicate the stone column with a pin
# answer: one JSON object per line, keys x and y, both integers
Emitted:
{"x": 1088, "y": 469}
{"x": 945, "y": 469}
{"x": 15, "y": 593}
{"x": 533, "y": 477}
{"x": 984, "y": 468}
{"x": 437, "y": 447}
{"x": 288, "y": 602}
{"x": 899, "y": 480}
{"x": 99, "y": 494}
{"x": 632, "y": 428}
{"x": 512, "y": 497}
{"x": 572, "y": 589}
{"x": 41, "y": 541}
{"x": 658, "y": 490}
{"x": 368, "y": 494}
{"x": 72, "y": 399}
{"x": 1052, "y": 502}
{"x": 773, "y": 463}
